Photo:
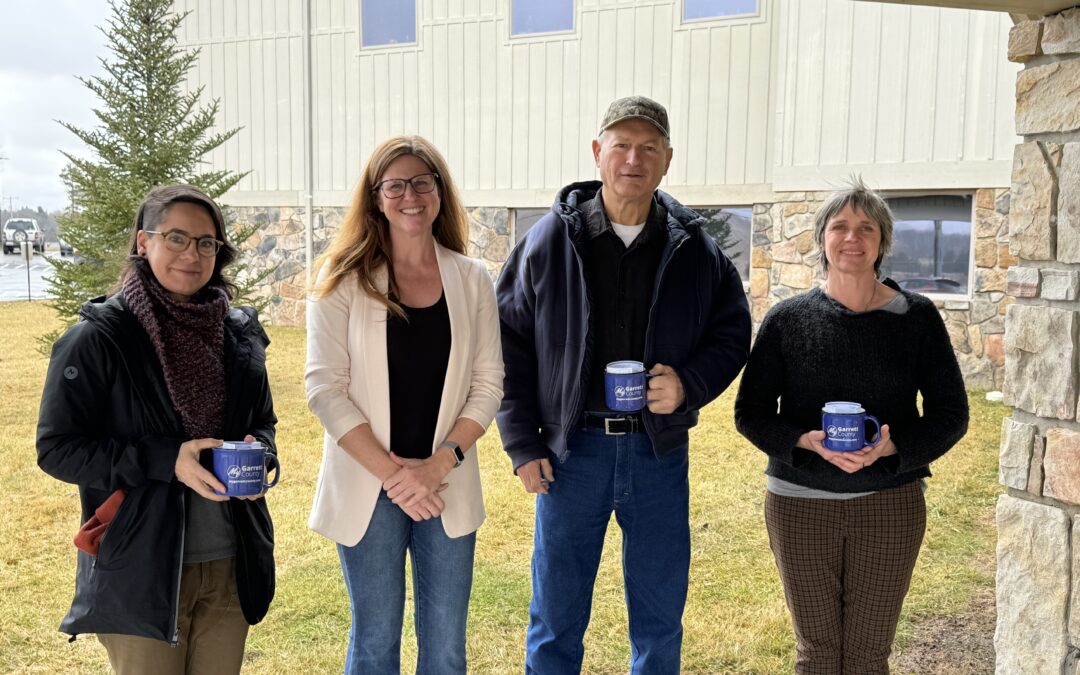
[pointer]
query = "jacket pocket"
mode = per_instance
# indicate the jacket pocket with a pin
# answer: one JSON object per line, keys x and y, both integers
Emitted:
{"x": 116, "y": 531}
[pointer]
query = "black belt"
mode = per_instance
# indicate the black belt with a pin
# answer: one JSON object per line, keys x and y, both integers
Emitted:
{"x": 616, "y": 426}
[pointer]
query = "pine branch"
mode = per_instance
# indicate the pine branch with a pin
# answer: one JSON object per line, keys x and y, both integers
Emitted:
{"x": 149, "y": 132}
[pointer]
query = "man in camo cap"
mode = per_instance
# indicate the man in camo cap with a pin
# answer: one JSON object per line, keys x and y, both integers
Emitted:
{"x": 617, "y": 271}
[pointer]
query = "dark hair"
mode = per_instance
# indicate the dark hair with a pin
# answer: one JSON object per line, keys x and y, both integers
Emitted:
{"x": 155, "y": 206}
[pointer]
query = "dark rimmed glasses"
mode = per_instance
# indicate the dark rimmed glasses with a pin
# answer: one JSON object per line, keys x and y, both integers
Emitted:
{"x": 178, "y": 242}
{"x": 394, "y": 188}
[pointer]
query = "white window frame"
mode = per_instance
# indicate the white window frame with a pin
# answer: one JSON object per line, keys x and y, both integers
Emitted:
{"x": 746, "y": 17}
{"x": 546, "y": 35}
{"x": 400, "y": 46}
{"x": 969, "y": 294}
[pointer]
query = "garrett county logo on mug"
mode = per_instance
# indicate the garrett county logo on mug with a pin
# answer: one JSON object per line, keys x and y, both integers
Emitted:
{"x": 234, "y": 472}
{"x": 831, "y": 430}
{"x": 620, "y": 391}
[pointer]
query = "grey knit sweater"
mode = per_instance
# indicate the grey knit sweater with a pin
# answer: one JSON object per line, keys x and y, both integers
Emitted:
{"x": 810, "y": 349}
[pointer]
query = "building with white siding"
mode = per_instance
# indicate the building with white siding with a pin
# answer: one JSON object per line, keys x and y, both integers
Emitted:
{"x": 771, "y": 103}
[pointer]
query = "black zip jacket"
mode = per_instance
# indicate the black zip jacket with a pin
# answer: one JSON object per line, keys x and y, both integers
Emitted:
{"x": 699, "y": 324}
{"x": 107, "y": 422}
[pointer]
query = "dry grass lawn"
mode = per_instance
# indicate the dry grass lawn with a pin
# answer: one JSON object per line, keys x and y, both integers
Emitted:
{"x": 736, "y": 621}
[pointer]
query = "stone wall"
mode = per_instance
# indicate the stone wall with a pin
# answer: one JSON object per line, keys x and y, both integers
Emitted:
{"x": 784, "y": 262}
{"x": 278, "y": 248}
{"x": 1038, "y": 553}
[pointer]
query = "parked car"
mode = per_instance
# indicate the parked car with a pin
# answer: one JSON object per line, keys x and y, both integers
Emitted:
{"x": 18, "y": 230}
{"x": 930, "y": 285}
{"x": 65, "y": 248}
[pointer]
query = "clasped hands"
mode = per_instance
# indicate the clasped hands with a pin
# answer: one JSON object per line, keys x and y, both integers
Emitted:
{"x": 416, "y": 484}
{"x": 849, "y": 462}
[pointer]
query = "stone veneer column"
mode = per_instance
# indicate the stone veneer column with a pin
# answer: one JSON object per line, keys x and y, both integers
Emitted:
{"x": 1038, "y": 552}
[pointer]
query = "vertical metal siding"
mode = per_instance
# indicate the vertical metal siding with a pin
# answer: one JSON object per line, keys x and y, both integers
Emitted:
{"x": 812, "y": 83}
{"x": 888, "y": 84}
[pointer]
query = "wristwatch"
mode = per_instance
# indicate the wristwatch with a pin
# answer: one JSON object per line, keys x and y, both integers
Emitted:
{"x": 459, "y": 456}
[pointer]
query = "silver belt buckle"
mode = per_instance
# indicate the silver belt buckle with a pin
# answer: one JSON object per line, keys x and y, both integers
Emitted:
{"x": 607, "y": 426}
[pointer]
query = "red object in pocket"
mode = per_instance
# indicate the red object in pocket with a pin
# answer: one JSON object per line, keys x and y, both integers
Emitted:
{"x": 88, "y": 538}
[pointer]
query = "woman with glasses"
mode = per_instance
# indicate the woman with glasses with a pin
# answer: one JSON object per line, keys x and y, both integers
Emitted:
{"x": 170, "y": 574}
{"x": 404, "y": 371}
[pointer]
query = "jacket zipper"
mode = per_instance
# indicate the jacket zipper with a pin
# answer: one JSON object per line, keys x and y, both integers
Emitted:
{"x": 647, "y": 419}
{"x": 175, "y": 626}
{"x": 584, "y": 347}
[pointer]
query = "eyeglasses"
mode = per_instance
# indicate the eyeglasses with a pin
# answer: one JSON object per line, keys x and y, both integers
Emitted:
{"x": 178, "y": 242}
{"x": 394, "y": 188}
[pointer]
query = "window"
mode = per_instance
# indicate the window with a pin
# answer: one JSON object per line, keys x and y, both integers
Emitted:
{"x": 528, "y": 17}
{"x": 730, "y": 228}
{"x": 694, "y": 10}
{"x": 931, "y": 244}
{"x": 387, "y": 22}
{"x": 525, "y": 219}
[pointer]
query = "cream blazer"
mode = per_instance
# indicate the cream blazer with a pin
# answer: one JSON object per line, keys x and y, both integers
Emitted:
{"x": 348, "y": 384}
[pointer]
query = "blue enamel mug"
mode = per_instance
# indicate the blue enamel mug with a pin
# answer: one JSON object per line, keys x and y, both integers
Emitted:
{"x": 844, "y": 423}
{"x": 242, "y": 467}
{"x": 625, "y": 385}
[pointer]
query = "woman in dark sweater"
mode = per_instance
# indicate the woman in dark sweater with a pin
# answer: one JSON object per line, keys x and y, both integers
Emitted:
{"x": 846, "y": 527}
{"x": 170, "y": 574}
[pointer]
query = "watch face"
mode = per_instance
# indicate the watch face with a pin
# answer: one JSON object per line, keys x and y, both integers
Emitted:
{"x": 459, "y": 456}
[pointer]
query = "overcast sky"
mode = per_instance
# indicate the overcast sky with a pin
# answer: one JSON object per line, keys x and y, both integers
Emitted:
{"x": 46, "y": 44}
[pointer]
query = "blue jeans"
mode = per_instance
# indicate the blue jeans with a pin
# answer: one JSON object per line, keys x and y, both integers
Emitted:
{"x": 650, "y": 498}
{"x": 374, "y": 572}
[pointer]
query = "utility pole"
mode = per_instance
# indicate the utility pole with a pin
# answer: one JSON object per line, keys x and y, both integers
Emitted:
{"x": 3, "y": 158}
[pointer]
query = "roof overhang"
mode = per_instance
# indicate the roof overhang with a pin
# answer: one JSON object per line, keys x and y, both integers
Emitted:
{"x": 1022, "y": 7}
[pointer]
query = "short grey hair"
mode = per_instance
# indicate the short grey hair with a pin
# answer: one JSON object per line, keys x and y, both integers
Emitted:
{"x": 600, "y": 139}
{"x": 860, "y": 198}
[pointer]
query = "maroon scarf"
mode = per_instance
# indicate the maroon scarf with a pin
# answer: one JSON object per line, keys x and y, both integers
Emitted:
{"x": 189, "y": 338}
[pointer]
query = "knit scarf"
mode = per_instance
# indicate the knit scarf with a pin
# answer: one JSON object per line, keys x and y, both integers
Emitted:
{"x": 189, "y": 338}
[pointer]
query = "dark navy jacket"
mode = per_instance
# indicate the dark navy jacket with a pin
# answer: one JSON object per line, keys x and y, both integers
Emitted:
{"x": 699, "y": 324}
{"x": 107, "y": 422}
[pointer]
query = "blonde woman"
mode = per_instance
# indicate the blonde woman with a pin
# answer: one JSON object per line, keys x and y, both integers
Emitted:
{"x": 405, "y": 373}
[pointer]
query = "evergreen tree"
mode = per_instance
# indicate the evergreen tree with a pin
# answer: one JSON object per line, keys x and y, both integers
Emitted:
{"x": 718, "y": 227}
{"x": 150, "y": 133}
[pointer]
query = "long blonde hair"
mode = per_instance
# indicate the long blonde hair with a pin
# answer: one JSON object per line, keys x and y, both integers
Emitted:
{"x": 362, "y": 245}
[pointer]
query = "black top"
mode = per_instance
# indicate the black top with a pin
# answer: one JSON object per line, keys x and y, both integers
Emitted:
{"x": 417, "y": 352}
{"x": 621, "y": 280}
{"x": 811, "y": 349}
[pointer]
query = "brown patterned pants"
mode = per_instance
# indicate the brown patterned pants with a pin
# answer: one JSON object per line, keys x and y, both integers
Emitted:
{"x": 846, "y": 567}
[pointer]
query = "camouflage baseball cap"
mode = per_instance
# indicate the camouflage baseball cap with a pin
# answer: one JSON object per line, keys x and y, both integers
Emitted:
{"x": 639, "y": 107}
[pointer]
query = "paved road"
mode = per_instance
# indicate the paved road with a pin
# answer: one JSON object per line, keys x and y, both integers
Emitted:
{"x": 13, "y": 277}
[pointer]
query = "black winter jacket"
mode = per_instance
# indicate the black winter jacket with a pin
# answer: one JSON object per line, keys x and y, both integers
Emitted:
{"x": 699, "y": 324}
{"x": 107, "y": 422}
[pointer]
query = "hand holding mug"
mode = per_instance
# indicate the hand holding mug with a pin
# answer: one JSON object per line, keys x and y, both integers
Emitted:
{"x": 191, "y": 473}
{"x": 849, "y": 462}
{"x": 666, "y": 391}
{"x": 883, "y": 447}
